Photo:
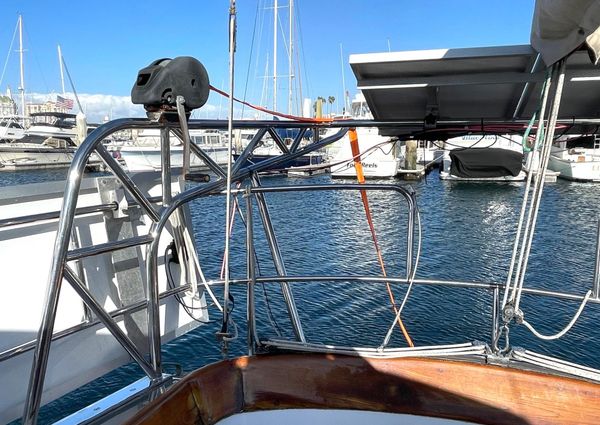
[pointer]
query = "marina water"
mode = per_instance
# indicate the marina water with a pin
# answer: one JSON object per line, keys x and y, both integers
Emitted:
{"x": 468, "y": 232}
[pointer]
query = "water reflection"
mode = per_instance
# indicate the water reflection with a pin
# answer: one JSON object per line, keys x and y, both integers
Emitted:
{"x": 468, "y": 233}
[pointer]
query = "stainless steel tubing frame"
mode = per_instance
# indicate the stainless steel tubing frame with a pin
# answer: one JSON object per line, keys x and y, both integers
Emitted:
{"x": 596, "y": 288}
{"x": 65, "y": 225}
{"x": 61, "y": 246}
{"x": 286, "y": 290}
{"x": 115, "y": 167}
{"x": 131, "y": 308}
{"x": 165, "y": 165}
{"x": 274, "y": 247}
{"x": 249, "y": 149}
{"x": 88, "y": 251}
{"x": 297, "y": 140}
{"x": 14, "y": 221}
{"x": 251, "y": 274}
{"x": 108, "y": 321}
{"x": 280, "y": 143}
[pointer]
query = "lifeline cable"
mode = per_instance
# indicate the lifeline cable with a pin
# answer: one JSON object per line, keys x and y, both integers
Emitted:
{"x": 365, "y": 200}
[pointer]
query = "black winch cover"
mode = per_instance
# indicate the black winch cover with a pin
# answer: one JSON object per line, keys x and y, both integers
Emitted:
{"x": 485, "y": 162}
{"x": 163, "y": 80}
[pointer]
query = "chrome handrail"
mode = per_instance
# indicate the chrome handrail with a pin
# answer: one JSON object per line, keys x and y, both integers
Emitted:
{"x": 160, "y": 218}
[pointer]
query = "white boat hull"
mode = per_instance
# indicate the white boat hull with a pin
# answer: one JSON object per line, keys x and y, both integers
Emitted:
{"x": 379, "y": 158}
{"x": 84, "y": 352}
{"x": 371, "y": 169}
{"x": 141, "y": 158}
{"x": 519, "y": 178}
{"x": 11, "y": 133}
{"x": 32, "y": 154}
{"x": 584, "y": 169}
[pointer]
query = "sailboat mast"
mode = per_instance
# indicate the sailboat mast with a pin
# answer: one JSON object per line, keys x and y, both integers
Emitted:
{"x": 22, "y": 86}
{"x": 62, "y": 75}
{"x": 291, "y": 70}
{"x": 347, "y": 110}
{"x": 275, "y": 5}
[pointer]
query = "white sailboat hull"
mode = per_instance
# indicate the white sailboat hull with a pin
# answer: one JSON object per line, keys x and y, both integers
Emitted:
{"x": 576, "y": 167}
{"x": 84, "y": 352}
{"x": 141, "y": 158}
{"x": 378, "y": 157}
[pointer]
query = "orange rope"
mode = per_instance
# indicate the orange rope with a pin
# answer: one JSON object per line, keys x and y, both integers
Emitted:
{"x": 363, "y": 194}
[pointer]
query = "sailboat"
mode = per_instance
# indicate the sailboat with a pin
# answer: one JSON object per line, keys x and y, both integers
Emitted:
{"x": 281, "y": 140}
{"x": 577, "y": 157}
{"x": 130, "y": 222}
{"x": 380, "y": 155}
{"x": 40, "y": 140}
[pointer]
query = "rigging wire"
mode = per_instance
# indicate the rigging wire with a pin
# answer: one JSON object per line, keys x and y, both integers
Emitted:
{"x": 9, "y": 52}
{"x": 298, "y": 17}
{"x": 250, "y": 57}
{"x": 36, "y": 59}
{"x": 270, "y": 315}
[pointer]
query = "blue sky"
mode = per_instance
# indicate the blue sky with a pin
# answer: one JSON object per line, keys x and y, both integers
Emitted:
{"x": 106, "y": 42}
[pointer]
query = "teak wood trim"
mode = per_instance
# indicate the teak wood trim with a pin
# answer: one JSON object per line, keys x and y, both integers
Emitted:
{"x": 474, "y": 392}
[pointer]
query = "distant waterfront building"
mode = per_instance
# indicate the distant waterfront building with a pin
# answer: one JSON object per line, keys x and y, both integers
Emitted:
{"x": 47, "y": 106}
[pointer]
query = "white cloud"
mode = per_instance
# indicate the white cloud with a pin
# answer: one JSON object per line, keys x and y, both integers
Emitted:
{"x": 98, "y": 107}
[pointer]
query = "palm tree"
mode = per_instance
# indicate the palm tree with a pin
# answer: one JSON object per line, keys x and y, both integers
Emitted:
{"x": 330, "y": 100}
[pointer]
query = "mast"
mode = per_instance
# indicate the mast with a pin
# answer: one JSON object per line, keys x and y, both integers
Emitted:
{"x": 22, "y": 86}
{"x": 275, "y": 55}
{"x": 62, "y": 75}
{"x": 347, "y": 111}
{"x": 291, "y": 70}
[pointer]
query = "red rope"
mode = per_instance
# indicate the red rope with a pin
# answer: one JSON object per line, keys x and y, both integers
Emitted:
{"x": 268, "y": 111}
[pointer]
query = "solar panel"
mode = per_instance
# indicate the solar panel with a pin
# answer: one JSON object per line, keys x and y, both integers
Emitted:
{"x": 500, "y": 83}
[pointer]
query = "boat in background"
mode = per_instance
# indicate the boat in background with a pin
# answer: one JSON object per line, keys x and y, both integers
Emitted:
{"x": 11, "y": 128}
{"x": 143, "y": 152}
{"x": 577, "y": 157}
{"x": 293, "y": 376}
{"x": 477, "y": 157}
{"x": 46, "y": 139}
{"x": 49, "y": 142}
{"x": 379, "y": 155}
